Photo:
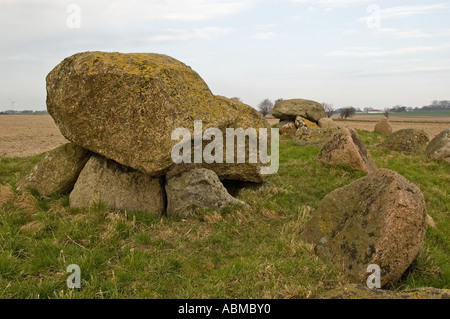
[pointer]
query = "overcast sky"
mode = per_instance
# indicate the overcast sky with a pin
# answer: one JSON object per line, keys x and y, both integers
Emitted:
{"x": 345, "y": 52}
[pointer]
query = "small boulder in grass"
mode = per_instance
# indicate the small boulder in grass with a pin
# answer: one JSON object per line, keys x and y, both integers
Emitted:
{"x": 57, "y": 172}
{"x": 439, "y": 147}
{"x": 379, "y": 219}
{"x": 407, "y": 141}
{"x": 326, "y": 122}
{"x": 346, "y": 149}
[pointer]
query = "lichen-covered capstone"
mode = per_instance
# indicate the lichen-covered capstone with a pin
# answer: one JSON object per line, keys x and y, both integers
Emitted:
{"x": 126, "y": 106}
{"x": 289, "y": 109}
{"x": 378, "y": 219}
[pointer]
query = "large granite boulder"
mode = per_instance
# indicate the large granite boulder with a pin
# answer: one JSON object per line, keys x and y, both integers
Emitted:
{"x": 118, "y": 187}
{"x": 194, "y": 189}
{"x": 126, "y": 106}
{"x": 439, "y": 147}
{"x": 408, "y": 141}
{"x": 290, "y": 109}
{"x": 57, "y": 172}
{"x": 346, "y": 149}
{"x": 378, "y": 219}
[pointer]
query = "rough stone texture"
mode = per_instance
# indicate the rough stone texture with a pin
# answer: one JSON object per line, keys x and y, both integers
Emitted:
{"x": 439, "y": 147}
{"x": 302, "y": 122}
{"x": 316, "y": 137}
{"x": 57, "y": 172}
{"x": 288, "y": 128}
{"x": 125, "y": 106}
{"x": 355, "y": 291}
{"x": 326, "y": 122}
{"x": 408, "y": 141}
{"x": 289, "y": 109}
{"x": 378, "y": 219}
{"x": 118, "y": 187}
{"x": 280, "y": 124}
{"x": 345, "y": 148}
{"x": 383, "y": 126}
{"x": 197, "y": 188}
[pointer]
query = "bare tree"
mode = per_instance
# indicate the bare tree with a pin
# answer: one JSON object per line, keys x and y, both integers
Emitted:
{"x": 386, "y": 113}
{"x": 347, "y": 112}
{"x": 328, "y": 108}
{"x": 265, "y": 107}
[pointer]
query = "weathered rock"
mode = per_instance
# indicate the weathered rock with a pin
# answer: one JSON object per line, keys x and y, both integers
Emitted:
{"x": 126, "y": 106}
{"x": 280, "y": 124}
{"x": 346, "y": 149}
{"x": 288, "y": 128}
{"x": 408, "y": 141}
{"x": 378, "y": 219}
{"x": 383, "y": 126}
{"x": 355, "y": 291}
{"x": 317, "y": 137}
{"x": 302, "y": 122}
{"x": 326, "y": 122}
{"x": 118, "y": 187}
{"x": 197, "y": 188}
{"x": 57, "y": 172}
{"x": 439, "y": 147}
{"x": 289, "y": 109}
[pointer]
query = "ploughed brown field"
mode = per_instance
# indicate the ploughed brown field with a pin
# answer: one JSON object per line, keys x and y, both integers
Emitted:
{"x": 432, "y": 125}
{"x": 27, "y": 135}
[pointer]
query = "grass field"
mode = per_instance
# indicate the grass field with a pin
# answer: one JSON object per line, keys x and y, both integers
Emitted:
{"x": 240, "y": 252}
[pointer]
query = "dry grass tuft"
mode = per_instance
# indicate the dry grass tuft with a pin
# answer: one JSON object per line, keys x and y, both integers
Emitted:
{"x": 6, "y": 194}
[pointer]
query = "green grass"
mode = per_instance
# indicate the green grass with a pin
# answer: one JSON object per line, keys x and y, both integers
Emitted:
{"x": 238, "y": 252}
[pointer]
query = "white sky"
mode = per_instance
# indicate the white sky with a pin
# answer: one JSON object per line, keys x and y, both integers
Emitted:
{"x": 345, "y": 52}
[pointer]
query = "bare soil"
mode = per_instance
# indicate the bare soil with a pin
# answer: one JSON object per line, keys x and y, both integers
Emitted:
{"x": 27, "y": 135}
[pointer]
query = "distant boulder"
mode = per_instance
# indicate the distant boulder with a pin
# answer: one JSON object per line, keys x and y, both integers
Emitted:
{"x": 326, "y": 122}
{"x": 383, "y": 127}
{"x": 408, "y": 141}
{"x": 289, "y": 109}
{"x": 439, "y": 147}
{"x": 346, "y": 149}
